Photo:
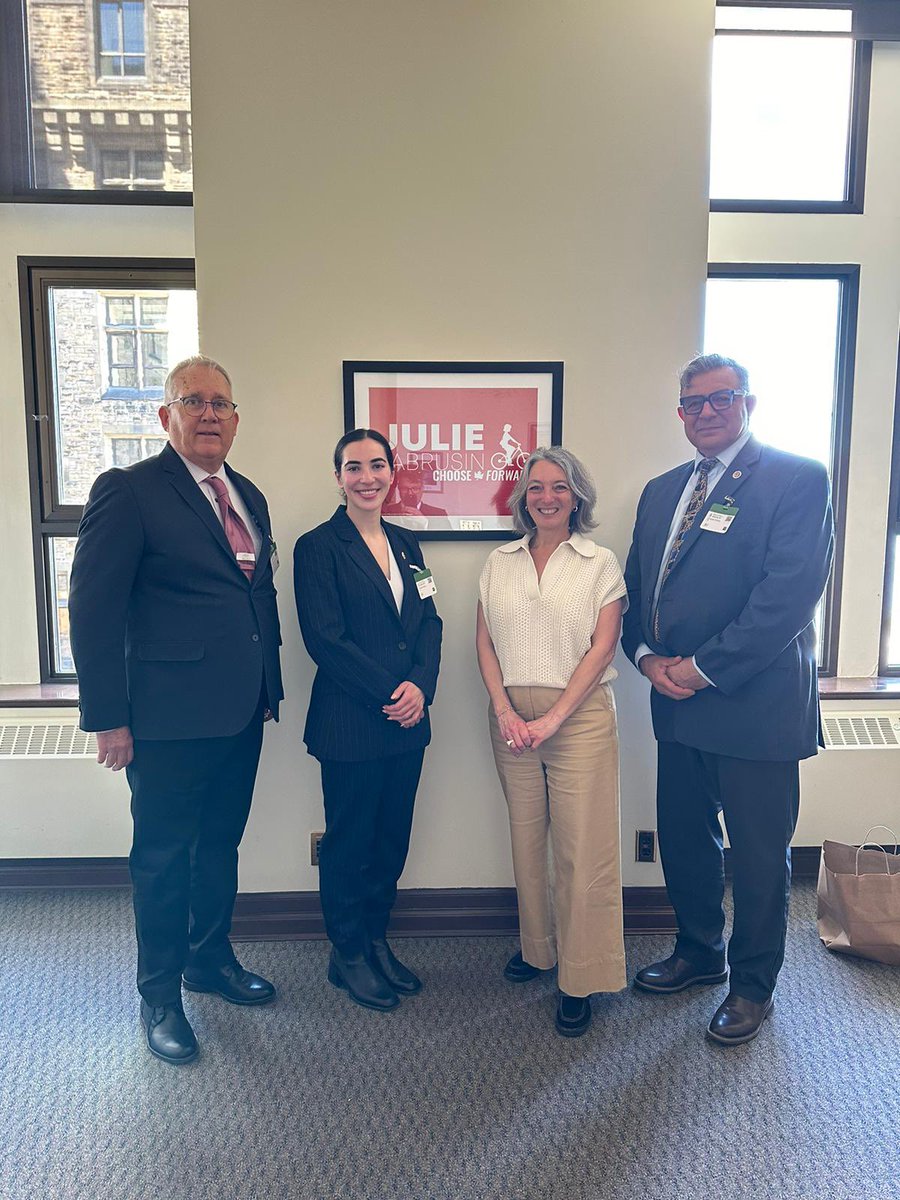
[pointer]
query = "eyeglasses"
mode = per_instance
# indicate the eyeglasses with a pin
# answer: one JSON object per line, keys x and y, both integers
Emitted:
{"x": 720, "y": 401}
{"x": 195, "y": 407}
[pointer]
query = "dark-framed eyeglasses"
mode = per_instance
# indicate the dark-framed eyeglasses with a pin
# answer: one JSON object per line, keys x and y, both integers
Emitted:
{"x": 719, "y": 401}
{"x": 195, "y": 407}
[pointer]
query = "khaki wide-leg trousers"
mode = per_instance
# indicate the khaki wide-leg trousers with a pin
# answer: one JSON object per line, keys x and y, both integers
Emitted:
{"x": 567, "y": 788}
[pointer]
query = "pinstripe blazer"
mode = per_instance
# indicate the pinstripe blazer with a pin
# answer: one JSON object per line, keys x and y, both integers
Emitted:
{"x": 362, "y": 646}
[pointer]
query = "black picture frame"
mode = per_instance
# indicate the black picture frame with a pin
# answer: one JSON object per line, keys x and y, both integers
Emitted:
{"x": 453, "y": 475}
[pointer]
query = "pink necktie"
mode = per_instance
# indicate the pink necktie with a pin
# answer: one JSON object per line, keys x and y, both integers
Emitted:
{"x": 235, "y": 530}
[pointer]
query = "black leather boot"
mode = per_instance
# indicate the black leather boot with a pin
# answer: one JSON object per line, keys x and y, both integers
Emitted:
{"x": 362, "y": 982}
{"x": 385, "y": 961}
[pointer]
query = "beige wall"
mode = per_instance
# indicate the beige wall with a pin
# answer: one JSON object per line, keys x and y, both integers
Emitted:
{"x": 471, "y": 180}
{"x": 496, "y": 179}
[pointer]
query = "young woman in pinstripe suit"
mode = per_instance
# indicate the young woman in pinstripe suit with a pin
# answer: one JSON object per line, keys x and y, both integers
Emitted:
{"x": 370, "y": 625}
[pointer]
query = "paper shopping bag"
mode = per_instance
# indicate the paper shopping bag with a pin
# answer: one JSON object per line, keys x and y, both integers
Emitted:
{"x": 859, "y": 901}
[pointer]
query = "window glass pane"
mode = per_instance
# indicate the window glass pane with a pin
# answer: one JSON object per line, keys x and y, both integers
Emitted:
{"x": 93, "y": 362}
{"x": 120, "y": 310}
{"x": 785, "y": 331}
{"x": 59, "y": 566}
{"x": 746, "y": 16}
{"x": 154, "y": 310}
{"x": 109, "y": 27}
{"x": 89, "y": 69}
{"x": 780, "y": 118}
{"x": 121, "y": 349}
{"x": 893, "y": 646}
{"x": 126, "y": 451}
{"x": 133, "y": 25}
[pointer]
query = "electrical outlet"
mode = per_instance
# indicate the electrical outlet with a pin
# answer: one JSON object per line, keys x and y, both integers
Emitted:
{"x": 314, "y": 840}
{"x": 645, "y": 845}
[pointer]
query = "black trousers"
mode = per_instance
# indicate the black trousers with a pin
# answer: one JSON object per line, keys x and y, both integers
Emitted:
{"x": 759, "y": 802}
{"x": 189, "y": 801}
{"x": 368, "y": 819}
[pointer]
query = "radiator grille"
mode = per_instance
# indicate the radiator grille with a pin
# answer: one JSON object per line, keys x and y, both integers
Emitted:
{"x": 61, "y": 739}
{"x": 862, "y": 730}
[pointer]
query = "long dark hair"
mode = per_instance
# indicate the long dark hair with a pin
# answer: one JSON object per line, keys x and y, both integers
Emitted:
{"x": 360, "y": 435}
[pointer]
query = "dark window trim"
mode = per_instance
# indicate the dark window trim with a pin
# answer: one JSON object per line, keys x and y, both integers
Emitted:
{"x": 49, "y": 518}
{"x": 848, "y": 274}
{"x": 891, "y": 566}
{"x": 16, "y": 171}
{"x": 855, "y": 182}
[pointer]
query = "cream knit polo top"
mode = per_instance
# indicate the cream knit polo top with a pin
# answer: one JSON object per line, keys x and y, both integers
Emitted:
{"x": 542, "y": 631}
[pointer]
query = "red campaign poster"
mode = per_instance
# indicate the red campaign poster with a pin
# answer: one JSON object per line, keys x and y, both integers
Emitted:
{"x": 460, "y": 442}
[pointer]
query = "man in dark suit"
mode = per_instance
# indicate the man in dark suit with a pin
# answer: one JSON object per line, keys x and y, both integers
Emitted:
{"x": 731, "y": 553}
{"x": 175, "y": 636}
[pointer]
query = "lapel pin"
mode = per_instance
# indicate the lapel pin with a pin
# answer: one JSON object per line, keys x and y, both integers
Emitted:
{"x": 736, "y": 474}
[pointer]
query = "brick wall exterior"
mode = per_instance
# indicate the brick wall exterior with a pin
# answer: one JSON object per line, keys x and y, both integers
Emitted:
{"x": 78, "y": 114}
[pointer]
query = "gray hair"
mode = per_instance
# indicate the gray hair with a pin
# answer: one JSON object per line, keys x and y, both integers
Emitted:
{"x": 702, "y": 363}
{"x": 195, "y": 360}
{"x": 577, "y": 477}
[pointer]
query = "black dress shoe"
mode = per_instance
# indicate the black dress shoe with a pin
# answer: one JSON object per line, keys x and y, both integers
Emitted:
{"x": 738, "y": 1020}
{"x": 385, "y": 961}
{"x": 517, "y": 970}
{"x": 573, "y": 1015}
{"x": 674, "y": 974}
{"x": 169, "y": 1035}
{"x": 363, "y": 983}
{"x": 232, "y": 983}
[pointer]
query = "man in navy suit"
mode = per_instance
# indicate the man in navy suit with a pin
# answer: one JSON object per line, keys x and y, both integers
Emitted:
{"x": 176, "y": 642}
{"x": 731, "y": 553}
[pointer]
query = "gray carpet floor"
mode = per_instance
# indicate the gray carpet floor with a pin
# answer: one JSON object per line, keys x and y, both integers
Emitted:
{"x": 464, "y": 1092}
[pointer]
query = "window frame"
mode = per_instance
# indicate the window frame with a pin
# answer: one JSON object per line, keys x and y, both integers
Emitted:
{"x": 49, "y": 517}
{"x": 891, "y": 567}
{"x": 855, "y": 169}
{"x": 16, "y": 166}
{"x": 848, "y": 276}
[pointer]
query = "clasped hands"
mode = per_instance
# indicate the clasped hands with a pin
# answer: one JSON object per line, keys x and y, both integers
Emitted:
{"x": 408, "y": 705}
{"x": 675, "y": 677}
{"x": 521, "y": 735}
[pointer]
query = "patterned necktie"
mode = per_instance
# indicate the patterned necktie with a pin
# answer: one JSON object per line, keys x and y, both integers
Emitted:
{"x": 235, "y": 530}
{"x": 695, "y": 503}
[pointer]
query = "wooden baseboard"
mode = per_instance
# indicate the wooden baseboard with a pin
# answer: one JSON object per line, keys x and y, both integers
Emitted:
{"x": 419, "y": 912}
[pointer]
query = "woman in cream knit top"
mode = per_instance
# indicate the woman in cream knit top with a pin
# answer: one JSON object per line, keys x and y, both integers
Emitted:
{"x": 549, "y": 619}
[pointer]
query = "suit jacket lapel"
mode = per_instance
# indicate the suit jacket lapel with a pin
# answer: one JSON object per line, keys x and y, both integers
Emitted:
{"x": 183, "y": 483}
{"x": 741, "y": 466}
{"x": 668, "y": 501}
{"x": 362, "y": 556}
{"x": 407, "y": 566}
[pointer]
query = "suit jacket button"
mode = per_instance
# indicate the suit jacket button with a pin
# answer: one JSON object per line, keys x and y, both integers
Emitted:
{"x": 256, "y": 637}
{"x": 401, "y": 645}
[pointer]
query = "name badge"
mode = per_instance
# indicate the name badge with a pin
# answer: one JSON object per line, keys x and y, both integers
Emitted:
{"x": 719, "y": 518}
{"x": 273, "y": 559}
{"x": 425, "y": 583}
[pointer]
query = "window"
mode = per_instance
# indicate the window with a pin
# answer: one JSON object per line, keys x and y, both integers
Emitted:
{"x": 96, "y": 102}
{"x": 100, "y": 338}
{"x": 132, "y": 169}
{"x": 889, "y": 659}
{"x": 794, "y": 328}
{"x": 120, "y": 37}
{"x": 789, "y": 109}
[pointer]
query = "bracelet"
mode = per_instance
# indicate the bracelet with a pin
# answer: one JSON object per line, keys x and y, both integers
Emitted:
{"x": 502, "y": 711}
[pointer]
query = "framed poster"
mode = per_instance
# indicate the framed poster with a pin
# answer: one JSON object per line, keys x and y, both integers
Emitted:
{"x": 461, "y": 433}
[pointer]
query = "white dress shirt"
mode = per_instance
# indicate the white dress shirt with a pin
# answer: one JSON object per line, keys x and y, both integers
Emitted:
{"x": 724, "y": 459}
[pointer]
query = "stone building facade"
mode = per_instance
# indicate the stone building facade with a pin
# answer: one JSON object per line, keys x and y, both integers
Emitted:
{"x": 110, "y": 94}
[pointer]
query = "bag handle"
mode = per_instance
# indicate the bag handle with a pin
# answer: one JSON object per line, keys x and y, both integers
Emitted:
{"x": 876, "y": 846}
